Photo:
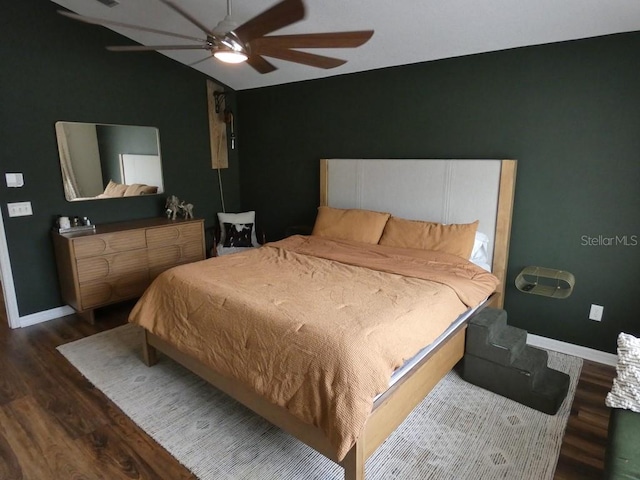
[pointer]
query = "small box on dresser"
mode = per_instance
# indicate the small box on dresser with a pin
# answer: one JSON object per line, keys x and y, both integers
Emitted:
{"x": 118, "y": 261}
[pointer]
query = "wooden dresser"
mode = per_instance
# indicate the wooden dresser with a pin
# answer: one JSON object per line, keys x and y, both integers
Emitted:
{"x": 119, "y": 260}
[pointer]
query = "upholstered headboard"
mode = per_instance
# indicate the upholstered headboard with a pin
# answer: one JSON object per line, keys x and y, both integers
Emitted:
{"x": 445, "y": 191}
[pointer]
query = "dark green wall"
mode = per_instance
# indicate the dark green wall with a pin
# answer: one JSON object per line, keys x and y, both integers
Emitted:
{"x": 569, "y": 113}
{"x": 56, "y": 69}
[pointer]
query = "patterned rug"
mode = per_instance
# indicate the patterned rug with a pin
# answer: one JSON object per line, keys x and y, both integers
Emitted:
{"x": 458, "y": 432}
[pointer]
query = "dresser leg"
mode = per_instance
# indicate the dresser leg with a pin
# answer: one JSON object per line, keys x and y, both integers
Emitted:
{"x": 87, "y": 316}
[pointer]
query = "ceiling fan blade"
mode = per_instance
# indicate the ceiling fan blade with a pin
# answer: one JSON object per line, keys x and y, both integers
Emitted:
{"x": 315, "y": 40}
{"x": 304, "y": 58}
{"x": 187, "y": 15}
{"x": 146, "y": 48}
{"x": 279, "y": 16}
{"x": 260, "y": 64}
{"x": 99, "y": 21}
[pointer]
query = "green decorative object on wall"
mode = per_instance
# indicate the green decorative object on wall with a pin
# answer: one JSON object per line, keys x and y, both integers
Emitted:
{"x": 547, "y": 282}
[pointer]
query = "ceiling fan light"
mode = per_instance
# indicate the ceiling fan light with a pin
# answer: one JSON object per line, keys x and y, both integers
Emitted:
{"x": 230, "y": 56}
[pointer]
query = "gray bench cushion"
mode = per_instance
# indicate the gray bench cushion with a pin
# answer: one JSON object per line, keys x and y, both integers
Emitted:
{"x": 622, "y": 460}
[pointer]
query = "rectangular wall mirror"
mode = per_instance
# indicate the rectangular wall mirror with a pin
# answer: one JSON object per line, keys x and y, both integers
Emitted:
{"x": 101, "y": 161}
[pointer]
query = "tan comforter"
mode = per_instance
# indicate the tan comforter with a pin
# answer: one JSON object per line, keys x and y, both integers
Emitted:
{"x": 314, "y": 325}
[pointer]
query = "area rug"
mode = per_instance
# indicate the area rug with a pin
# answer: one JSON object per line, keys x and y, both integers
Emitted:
{"x": 458, "y": 432}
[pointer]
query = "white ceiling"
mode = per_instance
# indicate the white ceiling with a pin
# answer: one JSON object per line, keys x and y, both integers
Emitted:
{"x": 407, "y": 31}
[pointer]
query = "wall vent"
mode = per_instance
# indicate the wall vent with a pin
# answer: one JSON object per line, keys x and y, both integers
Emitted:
{"x": 109, "y": 3}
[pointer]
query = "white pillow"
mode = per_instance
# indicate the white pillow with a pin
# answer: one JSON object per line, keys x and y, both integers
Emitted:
{"x": 480, "y": 252}
{"x": 625, "y": 392}
{"x": 244, "y": 217}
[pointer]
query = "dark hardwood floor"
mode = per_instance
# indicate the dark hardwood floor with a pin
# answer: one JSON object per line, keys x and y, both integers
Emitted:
{"x": 55, "y": 425}
{"x": 584, "y": 442}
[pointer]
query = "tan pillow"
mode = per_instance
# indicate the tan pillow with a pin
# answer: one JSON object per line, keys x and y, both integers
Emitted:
{"x": 139, "y": 189}
{"x": 115, "y": 189}
{"x": 134, "y": 190}
{"x": 148, "y": 190}
{"x": 350, "y": 224}
{"x": 456, "y": 239}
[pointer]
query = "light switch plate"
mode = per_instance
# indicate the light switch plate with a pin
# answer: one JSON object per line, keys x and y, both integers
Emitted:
{"x": 14, "y": 180}
{"x": 19, "y": 209}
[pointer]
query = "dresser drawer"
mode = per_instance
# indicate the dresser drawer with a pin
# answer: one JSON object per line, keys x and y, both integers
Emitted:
{"x": 110, "y": 266}
{"x": 98, "y": 293}
{"x": 175, "y": 254}
{"x": 174, "y": 235}
{"x": 163, "y": 258}
{"x": 91, "y": 245}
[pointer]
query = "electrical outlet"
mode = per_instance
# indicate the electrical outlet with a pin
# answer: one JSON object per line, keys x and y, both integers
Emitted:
{"x": 596, "y": 312}
{"x": 19, "y": 209}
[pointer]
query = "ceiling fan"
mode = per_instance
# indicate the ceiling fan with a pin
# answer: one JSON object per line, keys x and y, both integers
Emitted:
{"x": 249, "y": 42}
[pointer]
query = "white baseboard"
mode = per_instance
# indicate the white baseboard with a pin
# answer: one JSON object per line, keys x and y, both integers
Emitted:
{"x": 45, "y": 315}
{"x": 571, "y": 349}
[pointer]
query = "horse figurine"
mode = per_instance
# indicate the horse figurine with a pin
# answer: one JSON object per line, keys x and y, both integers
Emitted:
{"x": 187, "y": 209}
{"x": 172, "y": 206}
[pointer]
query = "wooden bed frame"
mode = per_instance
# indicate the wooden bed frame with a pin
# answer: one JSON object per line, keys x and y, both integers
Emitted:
{"x": 392, "y": 407}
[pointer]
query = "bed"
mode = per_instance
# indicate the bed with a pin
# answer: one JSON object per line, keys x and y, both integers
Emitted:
{"x": 338, "y": 405}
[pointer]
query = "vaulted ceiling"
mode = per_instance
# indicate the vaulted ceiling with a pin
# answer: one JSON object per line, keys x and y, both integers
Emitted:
{"x": 408, "y": 31}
